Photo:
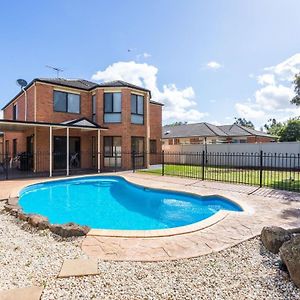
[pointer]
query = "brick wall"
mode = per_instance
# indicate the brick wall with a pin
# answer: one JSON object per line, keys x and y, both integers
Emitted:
{"x": 42, "y": 95}
{"x": 259, "y": 139}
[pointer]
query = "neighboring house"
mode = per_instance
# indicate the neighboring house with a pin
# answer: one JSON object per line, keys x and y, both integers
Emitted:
{"x": 82, "y": 124}
{"x": 201, "y": 133}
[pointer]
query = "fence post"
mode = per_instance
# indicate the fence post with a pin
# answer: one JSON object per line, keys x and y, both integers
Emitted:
{"x": 163, "y": 163}
{"x": 260, "y": 168}
{"x": 133, "y": 161}
{"x": 203, "y": 165}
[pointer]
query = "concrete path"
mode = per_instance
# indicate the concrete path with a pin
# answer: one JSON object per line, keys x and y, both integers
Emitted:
{"x": 79, "y": 267}
{"x": 28, "y": 293}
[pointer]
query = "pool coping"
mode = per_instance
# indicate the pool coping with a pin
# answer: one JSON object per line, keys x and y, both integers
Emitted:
{"x": 214, "y": 219}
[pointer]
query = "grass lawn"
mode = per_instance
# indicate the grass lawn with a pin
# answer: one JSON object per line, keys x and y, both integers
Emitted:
{"x": 285, "y": 180}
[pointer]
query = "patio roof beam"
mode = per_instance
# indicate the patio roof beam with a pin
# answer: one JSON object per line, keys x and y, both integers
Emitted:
{"x": 68, "y": 151}
{"x": 50, "y": 151}
{"x": 98, "y": 151}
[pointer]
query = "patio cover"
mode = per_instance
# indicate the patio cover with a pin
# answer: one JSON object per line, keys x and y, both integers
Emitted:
{"x": 81, "y": 124}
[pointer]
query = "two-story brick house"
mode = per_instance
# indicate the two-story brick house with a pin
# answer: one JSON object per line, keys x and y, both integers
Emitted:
{"x": 82, "y": 123}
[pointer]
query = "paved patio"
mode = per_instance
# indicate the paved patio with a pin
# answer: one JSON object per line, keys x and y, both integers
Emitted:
{"x": 263, "y": 207}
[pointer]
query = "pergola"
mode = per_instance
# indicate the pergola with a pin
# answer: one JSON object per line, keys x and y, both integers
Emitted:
{"x": 82, "y": 124}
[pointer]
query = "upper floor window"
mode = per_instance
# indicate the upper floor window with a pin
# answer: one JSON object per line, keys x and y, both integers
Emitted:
{"x": 15, "y": 112}
{"x": 112, "y": 107}
{"x": 94, "y": 108}
{"x": 66, "y": 102}
{"x": 137, "y": 109}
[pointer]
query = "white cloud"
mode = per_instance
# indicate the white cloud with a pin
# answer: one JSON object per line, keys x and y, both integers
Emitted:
{"x": 213, "y": 65}
{"x": 144, "y": 55}
{"x": 273, "y": 99}
{"x": 249, "y": 111}
{"x": 287, "y": 69}
{"x": 266, "y": 79}
{"x": 180, "y": 104}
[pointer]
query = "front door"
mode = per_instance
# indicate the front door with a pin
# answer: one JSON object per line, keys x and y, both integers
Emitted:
{"x": 60, "y": 152}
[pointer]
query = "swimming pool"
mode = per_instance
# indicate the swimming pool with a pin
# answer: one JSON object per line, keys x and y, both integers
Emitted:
{"x": 111, "y": 202}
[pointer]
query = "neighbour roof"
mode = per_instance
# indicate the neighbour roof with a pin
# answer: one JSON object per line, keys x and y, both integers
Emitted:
{"x": 238, "y": 130}
{"x": 209, "y": 130}
{"x": 81, "y": 84}
{"x": 190, "y": 130}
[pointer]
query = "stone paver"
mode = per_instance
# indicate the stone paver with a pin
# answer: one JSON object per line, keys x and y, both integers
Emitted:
{"x": 261, "y": 210}
{"x": 79, "y": 267}
{"x": 27, "y": 293}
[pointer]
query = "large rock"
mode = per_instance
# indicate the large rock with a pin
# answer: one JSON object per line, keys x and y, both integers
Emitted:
{"x": 38, "y": 221}
{"x": 69, "y": 229}
{"x": 273, "y": 237}
{"x": 290, "y": 254}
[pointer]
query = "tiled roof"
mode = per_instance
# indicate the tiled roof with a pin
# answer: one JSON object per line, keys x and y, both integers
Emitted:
{"x": 238, "y": 130}
{"x": 75, "y": 83}
{"x": 209, "y": 130}
{"x": 89, "y": 85}
{"x": 81, "y": 84}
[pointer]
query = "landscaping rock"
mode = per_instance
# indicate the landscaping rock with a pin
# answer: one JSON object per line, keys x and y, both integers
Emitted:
{"x": 273, "y": 237}
{"x": 38, "y": 221}
{"x": 22, "y": 216}
{"x": 290, "y": 254}
{"x": 12, "y": 209}
{"x": 69, "y": 229}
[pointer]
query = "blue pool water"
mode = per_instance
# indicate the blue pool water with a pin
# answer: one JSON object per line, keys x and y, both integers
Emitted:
{"x": 110, "y": 202}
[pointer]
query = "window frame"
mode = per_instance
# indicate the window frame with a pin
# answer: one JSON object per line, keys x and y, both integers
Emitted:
{"x": 151, "y": 143}
{"x": 112, "y": 112}
{"x": 15, "y": 112}
{"x": 111, "y": 152}
{"x": 136, "y": 108}
{"x": 67, "y": 102}
{"x": 15, "y": 148}
{"x": 138, "y": 138}
{"x": 94, "y": 106}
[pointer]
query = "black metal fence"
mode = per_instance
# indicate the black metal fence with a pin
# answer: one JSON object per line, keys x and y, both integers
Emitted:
{"x": 26, "y": 165}
{"x": 280, "y": 171}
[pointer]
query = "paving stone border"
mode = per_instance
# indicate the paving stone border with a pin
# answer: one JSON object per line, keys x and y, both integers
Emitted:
{"x": 40, "y": 222}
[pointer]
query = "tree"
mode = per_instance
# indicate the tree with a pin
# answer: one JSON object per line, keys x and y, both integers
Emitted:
{"x": 244, "y": 122}
{"x": 273, "y": 127}
{"x": 291, "y": 131}
{"x": 296, "y": 99}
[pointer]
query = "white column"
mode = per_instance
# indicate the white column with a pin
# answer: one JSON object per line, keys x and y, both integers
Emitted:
{"x": 34, "y": 149}
{"x": 50, "y": 151}
{"x": 68, "y": 151}
{"x": 98, "y": 151}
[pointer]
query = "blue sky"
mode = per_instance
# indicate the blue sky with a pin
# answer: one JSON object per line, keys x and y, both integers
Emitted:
{"x": 206, "y": 60}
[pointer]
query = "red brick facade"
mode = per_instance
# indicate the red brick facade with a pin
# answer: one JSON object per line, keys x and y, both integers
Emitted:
{"x": 40, "y": 108}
